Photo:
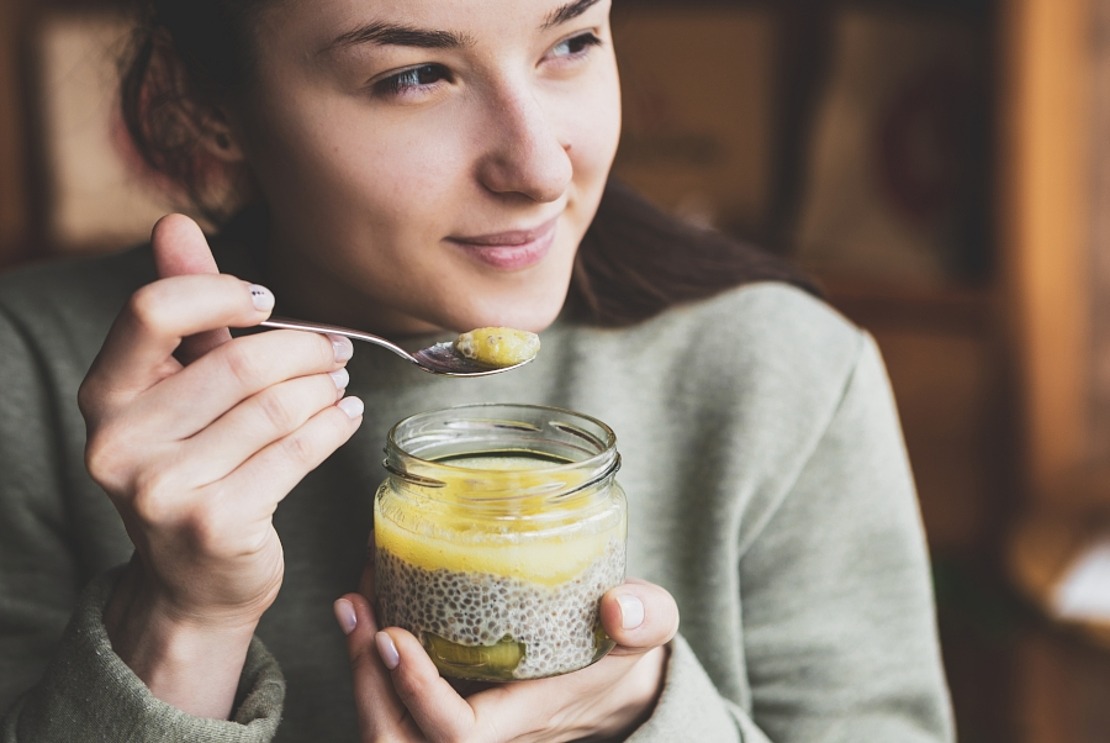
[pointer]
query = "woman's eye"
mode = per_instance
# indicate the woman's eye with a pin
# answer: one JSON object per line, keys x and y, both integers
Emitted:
{"x": 576, "y": 46}
{"x": 413, "y": 79}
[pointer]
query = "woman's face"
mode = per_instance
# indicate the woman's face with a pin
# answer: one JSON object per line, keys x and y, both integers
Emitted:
{"x": 430, "y": 164}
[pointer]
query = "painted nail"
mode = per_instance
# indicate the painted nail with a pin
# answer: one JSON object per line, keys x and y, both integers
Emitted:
{"x": 262, "y": 298}
{"x": 344, "y": 349}
{"x": 341, "y": 377}
{"x": 352, "y": 406}
{"x": 387, "y": 650}
{"x": 345, "y": 615}
{"x": 632, "y": 611}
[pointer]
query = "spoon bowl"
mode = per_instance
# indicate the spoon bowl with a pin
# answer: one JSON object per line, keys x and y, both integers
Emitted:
{"x": 439, "y": 358}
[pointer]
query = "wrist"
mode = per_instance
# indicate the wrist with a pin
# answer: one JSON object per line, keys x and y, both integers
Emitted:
{"x": 190, "y": 662}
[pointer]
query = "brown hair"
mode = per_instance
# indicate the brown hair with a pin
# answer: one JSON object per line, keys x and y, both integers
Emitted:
{"x": 184, "y": 57}
{"x": 634, "y": 261}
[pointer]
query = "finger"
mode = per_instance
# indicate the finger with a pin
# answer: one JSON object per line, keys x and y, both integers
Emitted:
{"x": 267, "y": 416}
{"x": 432, "y": 717}
{"x": 261, "y": 482}
{"x": 180, "y": 248}
{"x": 137, "y": 352}
{"x": 639, "y": 616}
{"x": 222, "y": 512}
{"x": 188, "y": 402}
{"x": 380, "y": 713}
{"x": 436, "y": 708}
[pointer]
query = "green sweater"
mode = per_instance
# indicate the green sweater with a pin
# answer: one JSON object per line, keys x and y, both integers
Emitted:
{"x": 768, "y": 490}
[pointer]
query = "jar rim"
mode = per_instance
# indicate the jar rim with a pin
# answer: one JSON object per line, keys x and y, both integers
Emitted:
{"x": 445, "y": 431}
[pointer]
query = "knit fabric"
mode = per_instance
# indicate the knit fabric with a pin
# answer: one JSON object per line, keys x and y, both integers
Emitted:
{"x": 768, "y": 488}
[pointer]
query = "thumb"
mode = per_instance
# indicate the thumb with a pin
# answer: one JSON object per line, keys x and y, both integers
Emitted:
{"x": 639, "y": 616}
{"x": 180, "y": 248}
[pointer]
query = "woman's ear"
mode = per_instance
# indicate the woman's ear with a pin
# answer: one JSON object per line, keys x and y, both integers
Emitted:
{"x": 204, "y": 121}
{"x": 217, "y": 136}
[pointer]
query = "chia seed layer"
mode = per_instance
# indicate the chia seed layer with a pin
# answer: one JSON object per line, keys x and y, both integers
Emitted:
{"x": 558, "y": 626}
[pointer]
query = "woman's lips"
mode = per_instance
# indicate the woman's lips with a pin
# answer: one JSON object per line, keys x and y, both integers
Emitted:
{"x": 510, "y": 250}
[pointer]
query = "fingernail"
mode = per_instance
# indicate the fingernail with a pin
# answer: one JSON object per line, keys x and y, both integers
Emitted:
{"x": 262, "y": 298}
{"x": 387, "y": 650}
{"x": 344, "y": 349}
{"x": 632, "y": 611}
{"x": 352, "y": 406}
{"x": 345, "y": 615}
{"x": 341, "y": 377}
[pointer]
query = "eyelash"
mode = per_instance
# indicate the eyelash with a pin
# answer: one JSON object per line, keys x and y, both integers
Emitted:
{"x": 585, "y": 42}
{"x": 410, "y": 81}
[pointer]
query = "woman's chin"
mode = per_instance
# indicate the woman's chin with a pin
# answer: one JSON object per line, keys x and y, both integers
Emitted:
{"x": 533, "y": 313}
{"x": 534, "y": 319}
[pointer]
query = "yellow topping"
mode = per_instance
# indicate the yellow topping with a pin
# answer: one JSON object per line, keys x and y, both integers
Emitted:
{"x": 498, "y": 347}
{"x": 443, "y": 535}
{"x": 548, "y": 562}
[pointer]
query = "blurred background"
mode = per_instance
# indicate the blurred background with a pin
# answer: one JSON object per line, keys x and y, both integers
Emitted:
{"x": 937, "y": 165}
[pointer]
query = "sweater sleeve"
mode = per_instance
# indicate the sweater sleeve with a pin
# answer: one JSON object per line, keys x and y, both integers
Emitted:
{"x": 88, "y": 688}
{"x": 691, "y": 709}
{"x": 60, "y": 679}
{"x": 839, "y": 635}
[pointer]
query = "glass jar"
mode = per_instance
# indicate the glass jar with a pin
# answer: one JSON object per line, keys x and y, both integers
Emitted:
{"x": 497, "y": 531}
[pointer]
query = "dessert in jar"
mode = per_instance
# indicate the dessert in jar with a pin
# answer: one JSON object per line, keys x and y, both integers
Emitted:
{"x": 497, "y": 531}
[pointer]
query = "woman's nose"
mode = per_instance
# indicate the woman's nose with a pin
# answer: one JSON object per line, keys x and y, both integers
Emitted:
{"x": 523, "y": 153}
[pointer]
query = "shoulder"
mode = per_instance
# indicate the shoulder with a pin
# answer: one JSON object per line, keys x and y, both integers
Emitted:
{"x": 768, "y": 321}
{"x": 68, "y": 304}
{"x": 764, "y": 333}
{"x": 764, "y": 353}
{"x": 766, "y": 346}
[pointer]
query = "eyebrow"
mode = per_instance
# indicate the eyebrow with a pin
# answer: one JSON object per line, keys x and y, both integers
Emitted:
{"x": 568, "y": 12}
{"x": 388, "y": 34}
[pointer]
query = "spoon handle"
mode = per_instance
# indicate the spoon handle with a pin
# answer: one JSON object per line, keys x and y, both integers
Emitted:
{"x": 358, "y": 335}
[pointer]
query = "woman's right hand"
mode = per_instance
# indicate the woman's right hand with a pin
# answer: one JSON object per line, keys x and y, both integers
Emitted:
{"x": 196, "y": 459}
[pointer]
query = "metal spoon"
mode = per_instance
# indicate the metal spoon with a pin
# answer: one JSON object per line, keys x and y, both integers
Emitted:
{"x": 439, "y": 358}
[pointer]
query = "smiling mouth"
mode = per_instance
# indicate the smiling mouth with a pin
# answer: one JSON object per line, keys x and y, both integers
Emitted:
{"x": 511, "y": 250}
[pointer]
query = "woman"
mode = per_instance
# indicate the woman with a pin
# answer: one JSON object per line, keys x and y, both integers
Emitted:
{"x": 417, "y": 169}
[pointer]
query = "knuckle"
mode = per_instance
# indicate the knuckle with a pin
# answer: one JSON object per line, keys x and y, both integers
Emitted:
{"x": 145, "y": 306}
{"x": 156, "y": 500}
{"x": 88, "y": 397}
{"x": 105, "y": 456}
{"x": 299, "y": 449}
{"x": 276, "y": 410}
{"x": 243, "y": 366}
{"x": 98, "y": 456}
{"x": 204, "y": 530}
{"x": 208, "y": 525}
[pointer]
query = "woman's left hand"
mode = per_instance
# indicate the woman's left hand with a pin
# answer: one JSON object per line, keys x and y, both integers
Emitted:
{"x": 401, "y": 696}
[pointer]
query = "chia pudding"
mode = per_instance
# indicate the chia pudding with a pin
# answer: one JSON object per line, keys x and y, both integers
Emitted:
{"x": 489, "y": 626}
{"x": 497, "y": 531}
